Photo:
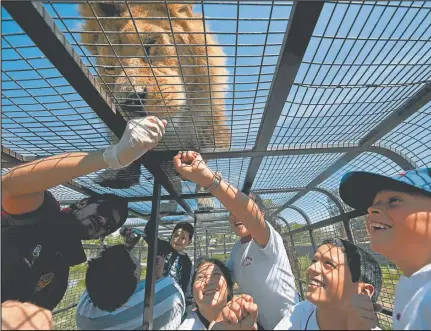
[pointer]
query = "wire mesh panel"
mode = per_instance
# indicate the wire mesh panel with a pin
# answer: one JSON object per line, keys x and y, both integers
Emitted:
{"x": 291, "y": 171}
{"x": 210, "y": 79}
{"x": 273, "y": 201}
{"x": 41, "y": 113}
{"x": 412, "y": 138}
{"x": 317, "y": 206}
{"x": 208, "y": 68}
{"x": 363, "y": 61}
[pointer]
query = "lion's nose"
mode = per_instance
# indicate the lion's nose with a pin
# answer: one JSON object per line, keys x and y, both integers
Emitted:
{"x": 135, "y": 103}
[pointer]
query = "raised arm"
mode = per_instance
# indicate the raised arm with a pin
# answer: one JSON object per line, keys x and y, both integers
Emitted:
{"x": 23, "y": 186}
{"x": 191, "y": 166}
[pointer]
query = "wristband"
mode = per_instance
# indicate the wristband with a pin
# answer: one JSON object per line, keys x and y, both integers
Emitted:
{"x": 216, "y": 182}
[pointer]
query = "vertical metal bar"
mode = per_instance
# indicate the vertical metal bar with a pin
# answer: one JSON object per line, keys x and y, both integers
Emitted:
{"x": 348, "y": 229}
{"x": 140, "y": 249}
{"x": 224, "y": 246}
{"x": 313, "y": 242}
{"x": 196, "y": 239}
{"x": 147, "y": 323}
{"x": 207, "y": 242}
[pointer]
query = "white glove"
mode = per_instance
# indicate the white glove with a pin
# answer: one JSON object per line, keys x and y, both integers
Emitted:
{"x": 141, "y": 135}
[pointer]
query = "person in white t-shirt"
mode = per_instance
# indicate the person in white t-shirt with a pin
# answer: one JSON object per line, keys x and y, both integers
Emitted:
{"x": 399, "y": 225}
{"x": 344, "y": 282}
{"x": 259, "y": 261}
{"x": 217, "y": 309}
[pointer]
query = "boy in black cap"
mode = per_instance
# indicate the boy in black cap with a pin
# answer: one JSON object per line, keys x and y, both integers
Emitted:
{"x": 399, "y": 225}
{"x": 177, "y": 263}
{"x": 39, "y": 240}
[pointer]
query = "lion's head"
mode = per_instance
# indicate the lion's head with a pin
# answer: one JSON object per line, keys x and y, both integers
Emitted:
{"x": 170, "y": 69}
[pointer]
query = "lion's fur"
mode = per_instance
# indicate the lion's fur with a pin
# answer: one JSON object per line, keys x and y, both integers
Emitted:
{"x": 186, "y": 85}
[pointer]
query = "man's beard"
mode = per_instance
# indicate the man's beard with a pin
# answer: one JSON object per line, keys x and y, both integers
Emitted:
{"x": 73, "y": 227}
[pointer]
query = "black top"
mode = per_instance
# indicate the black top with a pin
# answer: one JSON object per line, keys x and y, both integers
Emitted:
{"x": 37, "y": 250}
{"x": 178, "y": 266}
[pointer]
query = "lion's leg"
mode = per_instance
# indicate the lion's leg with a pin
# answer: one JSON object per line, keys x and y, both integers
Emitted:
{"x": 167, "y": 207}
{"x": 204, "y": 203}
{"x": 121, "y": 178}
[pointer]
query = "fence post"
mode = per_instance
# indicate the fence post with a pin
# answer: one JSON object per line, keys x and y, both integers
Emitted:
{"x": 207, "y": 242}
{"x": 348, "y": 229}
{"x": 196, "y": 239}
{"x": 147, "y": 322}
{"x": 224, "y": 246}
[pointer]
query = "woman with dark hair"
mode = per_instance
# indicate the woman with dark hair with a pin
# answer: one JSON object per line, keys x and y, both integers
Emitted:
{"x": 212, "y": 288}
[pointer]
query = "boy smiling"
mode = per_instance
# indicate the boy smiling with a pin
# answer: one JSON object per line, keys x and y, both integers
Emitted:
{"x": 399, "y": 225}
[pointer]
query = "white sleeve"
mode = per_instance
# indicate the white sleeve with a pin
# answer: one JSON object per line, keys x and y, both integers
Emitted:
{"x": 297, "y": 319}
{"x": 284, "y": 324}
{"x": 419, "y": 315}
{"x": 274, "y": 244}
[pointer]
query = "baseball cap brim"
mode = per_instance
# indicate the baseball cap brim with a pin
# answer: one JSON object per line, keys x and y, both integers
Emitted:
{"x": 358, "y": 189}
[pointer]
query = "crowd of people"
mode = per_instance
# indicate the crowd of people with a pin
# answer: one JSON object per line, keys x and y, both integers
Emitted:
{"x": 41, "y": 241}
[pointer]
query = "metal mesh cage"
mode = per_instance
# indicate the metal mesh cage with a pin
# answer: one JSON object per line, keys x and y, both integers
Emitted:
{"x": 283, "y": 98}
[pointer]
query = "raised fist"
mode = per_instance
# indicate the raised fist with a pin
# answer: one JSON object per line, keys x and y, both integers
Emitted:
{"x": 191, "y": 166}
{"x": 239, "y": 314}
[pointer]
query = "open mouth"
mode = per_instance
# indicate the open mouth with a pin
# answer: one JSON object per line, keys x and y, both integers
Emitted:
{"x": 316, "y": 283}
{"x": 237, "y": 224}
{"x": 377, "y": 226}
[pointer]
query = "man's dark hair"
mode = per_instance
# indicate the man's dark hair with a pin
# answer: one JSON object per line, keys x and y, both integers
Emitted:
{"x": 258, "y": 200}
{"x": 110, "y": 278}
{"x": 363, "y": 267}
{"x": 113, "y": 207}
{"x": 186, "y": 227}
{"x": 224, "y": 270}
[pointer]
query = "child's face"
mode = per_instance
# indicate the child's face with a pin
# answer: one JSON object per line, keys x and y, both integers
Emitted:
{"x": 329, "y": 277}
{"x": 210, "y": 287}
{"x": 180, "y": 240}
{"x": 399, "y": 225}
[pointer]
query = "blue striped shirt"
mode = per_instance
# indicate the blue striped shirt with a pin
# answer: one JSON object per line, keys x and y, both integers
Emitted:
{"x": 169, "y": 307}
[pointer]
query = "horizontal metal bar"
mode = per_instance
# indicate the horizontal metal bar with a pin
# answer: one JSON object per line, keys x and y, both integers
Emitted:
{"x": 62, "y": 310}
{"x": 329, "y": 221}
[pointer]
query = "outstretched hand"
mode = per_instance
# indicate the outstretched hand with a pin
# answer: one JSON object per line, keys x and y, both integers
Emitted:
{"x": 239, "y": 314}
{"x": 191, "y": 166}
{"x": 140, "y": 136}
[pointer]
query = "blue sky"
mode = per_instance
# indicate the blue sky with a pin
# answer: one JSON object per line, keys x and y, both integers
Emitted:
{"x": 352, "y": 46}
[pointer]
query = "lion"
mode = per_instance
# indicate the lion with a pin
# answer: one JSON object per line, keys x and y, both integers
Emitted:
{"x": 172, "y": 69}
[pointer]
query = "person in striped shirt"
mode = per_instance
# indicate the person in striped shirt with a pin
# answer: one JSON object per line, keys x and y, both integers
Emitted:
{"x": 114, "y": 298}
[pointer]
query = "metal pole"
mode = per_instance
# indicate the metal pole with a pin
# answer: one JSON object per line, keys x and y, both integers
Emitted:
{"x": 348, "y": 229}
{"x": 313, "y": 242}
{"x": 224, "y": 246}
{"x": 195, "y": 243}
{"x": 147, "y": 323}
{"x": 207, "y": 242}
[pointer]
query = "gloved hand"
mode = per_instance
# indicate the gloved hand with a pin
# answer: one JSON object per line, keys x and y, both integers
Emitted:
{"x": 141, "y": 135}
